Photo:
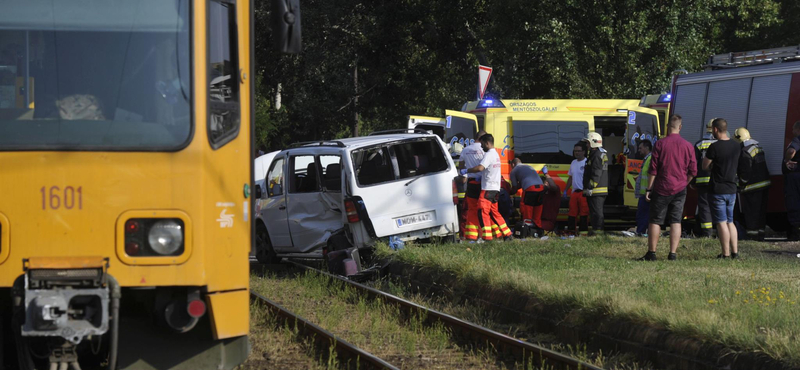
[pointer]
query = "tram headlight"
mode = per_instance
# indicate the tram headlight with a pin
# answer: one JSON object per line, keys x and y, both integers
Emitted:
{"x": 165, "y": 237}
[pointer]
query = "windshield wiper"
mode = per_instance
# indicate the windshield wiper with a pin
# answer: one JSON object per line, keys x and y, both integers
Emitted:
{"x": 415, "y": 179}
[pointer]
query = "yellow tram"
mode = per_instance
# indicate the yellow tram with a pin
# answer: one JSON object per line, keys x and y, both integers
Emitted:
{"x": 125, "y": 176}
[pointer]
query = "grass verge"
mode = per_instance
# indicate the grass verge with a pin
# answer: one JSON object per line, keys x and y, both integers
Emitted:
{"x": 748, "y": 304}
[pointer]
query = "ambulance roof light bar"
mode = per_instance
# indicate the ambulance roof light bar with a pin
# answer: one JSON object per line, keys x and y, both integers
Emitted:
{"x": 489, "y": 102}
{"x": 754, "y": 57}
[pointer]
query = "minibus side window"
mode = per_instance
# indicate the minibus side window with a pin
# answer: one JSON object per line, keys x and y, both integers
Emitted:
{"x": 304, "y": 174}
{"x": 274, "y": 178}
{"x": 398, "y": 161}
{"x": 373, "y": 165}
{"x": 419, "y": 158}
{"x": 331, "y": 166}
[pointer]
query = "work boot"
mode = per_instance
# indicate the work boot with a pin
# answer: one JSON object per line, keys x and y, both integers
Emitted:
{"x": 508, "y": 239}
{"x": 649, "y": 256}
{"x": 672, "y": 256}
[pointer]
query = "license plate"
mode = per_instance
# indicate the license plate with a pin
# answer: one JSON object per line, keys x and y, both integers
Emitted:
{"x": 414, "y": 219}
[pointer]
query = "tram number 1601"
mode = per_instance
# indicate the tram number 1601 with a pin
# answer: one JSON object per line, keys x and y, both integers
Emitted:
{"x": 54, "y": 198}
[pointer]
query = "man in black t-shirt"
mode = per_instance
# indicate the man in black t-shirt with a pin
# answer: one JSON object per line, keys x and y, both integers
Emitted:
{"x": 722, "y": 159}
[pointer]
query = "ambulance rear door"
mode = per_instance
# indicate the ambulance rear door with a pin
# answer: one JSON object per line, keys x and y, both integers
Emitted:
{"x": 456, "y": 127}
{"x": 435, "y": 125}
{"x": 643, "y": 124}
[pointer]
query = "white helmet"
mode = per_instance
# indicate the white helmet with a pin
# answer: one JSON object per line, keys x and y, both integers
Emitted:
{"x": 594, "y": 139}
{"x": 741, "y": 134}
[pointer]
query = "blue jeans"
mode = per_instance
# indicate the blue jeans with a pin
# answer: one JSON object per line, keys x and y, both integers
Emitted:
{"x": 722, "y": 208}
{"x": 642, "y": 215}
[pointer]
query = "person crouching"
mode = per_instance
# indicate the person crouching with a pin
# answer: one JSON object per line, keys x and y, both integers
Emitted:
{"x": 526, "y": 178}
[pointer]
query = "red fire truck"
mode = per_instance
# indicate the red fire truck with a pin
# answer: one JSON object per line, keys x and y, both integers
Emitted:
{"x": 759, "y": 90}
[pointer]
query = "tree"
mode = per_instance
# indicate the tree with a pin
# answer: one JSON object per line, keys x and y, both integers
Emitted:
{"x": 381, "y": 61}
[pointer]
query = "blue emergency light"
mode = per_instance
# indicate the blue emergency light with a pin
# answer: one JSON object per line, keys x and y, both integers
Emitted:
{"x": 490, "y": 103}
{"x": 665, "y": 98}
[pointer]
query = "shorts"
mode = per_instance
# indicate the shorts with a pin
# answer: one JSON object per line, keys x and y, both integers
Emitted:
{"x": 667, "y": 209}
{"x": 578, "y": 204}
{"x": 722, "y": 208}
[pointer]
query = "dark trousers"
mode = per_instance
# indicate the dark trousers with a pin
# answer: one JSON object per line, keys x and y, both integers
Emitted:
{"x": 642, "y": 215}
{"x": 792, "y": 196}
{"x": 753, "y": 206}
{"x": 596, "y": 217}
{"x": 704, "y": 211}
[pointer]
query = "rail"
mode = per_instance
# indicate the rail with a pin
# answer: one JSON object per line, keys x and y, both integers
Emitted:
{"x": 344, "y": 349}
{"x": 519, "y": 348}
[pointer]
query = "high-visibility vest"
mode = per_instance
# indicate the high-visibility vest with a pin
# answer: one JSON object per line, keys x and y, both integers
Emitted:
{"x": 700, "y": 149}
{"x": 643, "y": 177}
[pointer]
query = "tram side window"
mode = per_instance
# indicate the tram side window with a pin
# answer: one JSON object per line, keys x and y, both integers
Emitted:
{"x": 224, "y": 119}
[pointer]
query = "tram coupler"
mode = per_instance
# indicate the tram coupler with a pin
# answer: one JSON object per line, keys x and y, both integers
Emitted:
{"x": 65, "y": 297}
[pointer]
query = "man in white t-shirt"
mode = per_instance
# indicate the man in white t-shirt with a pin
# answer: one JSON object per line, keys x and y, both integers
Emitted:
{"x": 578, "y": 206}
{"x": 472, "y": 155}
{"x": 490, "y": 168}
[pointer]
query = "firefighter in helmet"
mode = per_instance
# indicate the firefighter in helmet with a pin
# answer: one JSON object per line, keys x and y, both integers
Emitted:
{"x": 595, "y": 181}
{"x": 753, "y": 184}
{"x": 703, "y": 217}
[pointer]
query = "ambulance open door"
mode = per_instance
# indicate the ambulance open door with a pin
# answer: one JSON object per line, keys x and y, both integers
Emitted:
{"x": 435, "y": 125}
{"x": 456, "y": 127}
{"x": 643, "y": 124}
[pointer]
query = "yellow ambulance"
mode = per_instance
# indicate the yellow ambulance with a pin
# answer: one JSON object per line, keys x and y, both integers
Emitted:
{"x": 661, "y": 103}
{"x": 544, "y": 131}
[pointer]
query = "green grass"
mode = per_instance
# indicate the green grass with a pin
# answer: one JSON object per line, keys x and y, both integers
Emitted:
{"x": 479, "y": 315}
{"x": 748, "y": 304}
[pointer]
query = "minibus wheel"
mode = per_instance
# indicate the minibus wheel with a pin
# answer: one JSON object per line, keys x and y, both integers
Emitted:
{"x": 264, "y": 252}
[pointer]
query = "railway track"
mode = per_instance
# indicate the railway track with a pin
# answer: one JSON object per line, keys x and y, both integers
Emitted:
{"x": 505, "y": 344}
{"x": 347, "y": 353}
